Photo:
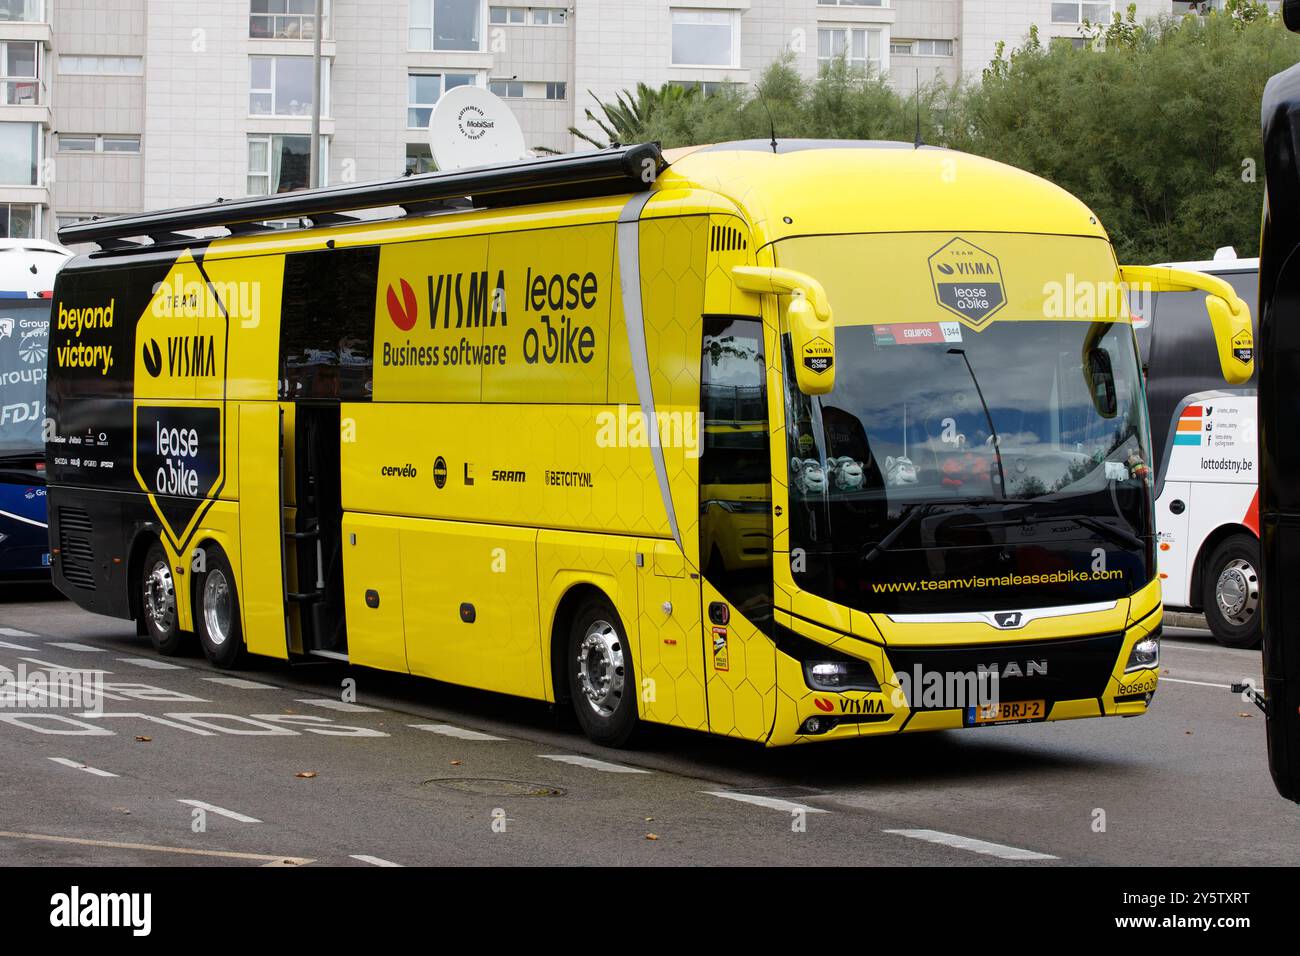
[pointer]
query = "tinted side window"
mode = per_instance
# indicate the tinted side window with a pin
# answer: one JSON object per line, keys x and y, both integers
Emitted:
{"x": 327, "y": 324}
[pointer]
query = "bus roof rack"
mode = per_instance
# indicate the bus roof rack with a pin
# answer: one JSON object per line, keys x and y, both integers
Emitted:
{"x": 606, "y": 172}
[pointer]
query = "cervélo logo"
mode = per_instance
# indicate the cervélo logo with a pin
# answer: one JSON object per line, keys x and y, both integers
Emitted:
{"x": 405, "y": 312}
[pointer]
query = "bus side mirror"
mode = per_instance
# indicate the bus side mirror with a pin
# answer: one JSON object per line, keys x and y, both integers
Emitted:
{"x": 1291, "y": 15}
{"x": 1100, "y": 375}
{"x": 808, "y": 317}
{"x": 1229, "y": 315}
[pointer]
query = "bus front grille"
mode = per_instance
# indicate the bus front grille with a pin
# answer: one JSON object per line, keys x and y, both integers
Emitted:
{"x": 1075, "y": 668}
{"x": 76, "y": 553}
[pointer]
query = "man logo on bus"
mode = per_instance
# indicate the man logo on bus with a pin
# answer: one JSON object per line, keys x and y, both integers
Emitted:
{"x": 967, "y": 281}
{"x": 403, "y": 313}
{"x": 1008, "y": 619}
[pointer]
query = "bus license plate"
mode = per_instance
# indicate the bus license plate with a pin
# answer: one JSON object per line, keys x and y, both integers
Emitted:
{"x": 1008, "y": 712}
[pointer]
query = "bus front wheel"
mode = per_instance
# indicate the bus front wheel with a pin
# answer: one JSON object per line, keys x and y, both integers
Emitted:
{"x": 158, "y": 604}
{"x": 1231, "y": 598}
{"x": 602, "y": 683}
{"x": 216, "y": 611}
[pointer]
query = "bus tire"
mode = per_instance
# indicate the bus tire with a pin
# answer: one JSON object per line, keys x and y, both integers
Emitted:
{"x": 216, "y": 611}
{"x": 1231, "y": 592}
{"x": 602, "y": 683}
{"x": 158, "y": 615}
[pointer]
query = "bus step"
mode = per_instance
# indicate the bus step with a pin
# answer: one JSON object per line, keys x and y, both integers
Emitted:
{"x": 306, "y": 597}
{"x": 332, "y": 655}
{"x": 302, "y": 535}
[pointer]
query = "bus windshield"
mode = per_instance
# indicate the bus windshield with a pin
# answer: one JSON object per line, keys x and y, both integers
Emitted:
{"x": 959, "y": 469}
{"x": 24, "y": 340}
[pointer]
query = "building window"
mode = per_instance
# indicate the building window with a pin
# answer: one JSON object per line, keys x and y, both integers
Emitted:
{"x": 281, "y": 85}
{"x": 850, "y": 3}
{"x": 1073, "y": 11}
{"x": 25, "y": 11}
{"x": 286, "y": 20}
{"x": 707, "y": 89}
{"x": 279, "y": 163}
{"x": 419, "y": 159}
{"x": 445, "y": 24}
{"x": 859, "y": 47}
{"x": 506, "y": 89}
{"x": 507, "y": 16}
{"x": 101, "y": 65}
{"x": 704, "y": 37}
{"x": 557, "y": 91}
{"x": 18, "y": 84}
{"x": 424, "y": 90}
{"x": 549, "y": 17}
{"x": 91, "y": 143}
{"x": 921, "y": 47}
{"x": 19, "y": 220}
{"x": 20, "y": 154}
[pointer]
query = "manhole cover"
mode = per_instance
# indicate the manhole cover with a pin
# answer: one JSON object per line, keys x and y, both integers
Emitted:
{"x": 489, "y": 787}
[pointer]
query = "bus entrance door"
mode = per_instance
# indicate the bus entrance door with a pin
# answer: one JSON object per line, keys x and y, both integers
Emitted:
{"x": 315, "y": 542}
{"x": 261, "y": 523}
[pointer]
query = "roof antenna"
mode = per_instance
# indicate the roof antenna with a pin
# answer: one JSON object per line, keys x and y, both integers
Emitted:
{"x": 770, "y": 122}
{"x": 917, "y": 144}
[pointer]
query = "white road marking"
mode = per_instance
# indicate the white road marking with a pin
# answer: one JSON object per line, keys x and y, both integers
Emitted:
{"x": 331, "y": 704}
{"x": 78, "y": 765}
{"x": 772, "y": 803}
{"x": 1213, "y": 649}
{"x": 150, "y": 663}
{"x": 447, "y": 730}
{"x": 591, "y": 763}
{"x": 975, "y": 846}
{"x": 17, "y": 647}
{"x": 14, "y": 632}
{"x": 373, "y": 860}
{"x": 1198, "y": 683}
{"x": 238, "y": 682}
{"x": 74, "y": 646}
{"x": 153, "y": 848}
{"x": 64, "y": 667}
{"x": 220, "y": 811}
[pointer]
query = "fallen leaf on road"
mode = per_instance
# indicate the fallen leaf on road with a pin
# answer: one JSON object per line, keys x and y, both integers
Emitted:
{"x": 652, "y": 836}
{"x": 649, "y": 819}
{"x": 1245, "y": 715}
{"x": 305, "y": 774}
{"x": 123, "y": 810}
{"x": 144, "y": 740}
{"x": 455, "y": 763}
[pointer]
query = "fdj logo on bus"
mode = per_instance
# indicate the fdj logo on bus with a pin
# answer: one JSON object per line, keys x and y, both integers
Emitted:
{"x": 967, "y": 281}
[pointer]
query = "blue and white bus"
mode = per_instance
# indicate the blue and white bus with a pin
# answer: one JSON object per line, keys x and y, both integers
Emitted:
{"x": 27, "y": 270}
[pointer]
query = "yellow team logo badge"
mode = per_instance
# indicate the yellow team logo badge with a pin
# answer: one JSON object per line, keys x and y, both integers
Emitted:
{"x": 967, "y": 281}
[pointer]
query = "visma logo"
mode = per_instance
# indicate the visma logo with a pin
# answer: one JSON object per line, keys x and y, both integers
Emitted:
{"x": 824, "y": 704}
{"x": 405, "y": 312}
{"x": 944, "y": 268}
{"x": 152, "y": 356}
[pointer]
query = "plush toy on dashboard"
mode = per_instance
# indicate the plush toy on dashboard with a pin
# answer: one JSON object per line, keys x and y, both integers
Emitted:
{"x": 899, "y": 471}
{"x": 808, "y": 476}
{"x": 846, "y": 473}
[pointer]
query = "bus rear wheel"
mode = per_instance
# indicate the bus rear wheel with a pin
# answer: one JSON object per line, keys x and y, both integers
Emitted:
{"x": 158, "y": 604}
{"x": 602, "y": 683}
{"x": 1231, "y": 598}
{"x": 216, "y": 611}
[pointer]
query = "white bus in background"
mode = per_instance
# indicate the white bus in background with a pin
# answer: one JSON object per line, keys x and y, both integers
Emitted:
{"x": 1204, "y": 439}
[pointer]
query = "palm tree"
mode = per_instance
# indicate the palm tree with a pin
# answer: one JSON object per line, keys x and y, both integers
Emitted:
{"x": 626, "y": 119}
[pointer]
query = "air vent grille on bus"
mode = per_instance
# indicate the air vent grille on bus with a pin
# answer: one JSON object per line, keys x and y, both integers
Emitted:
{"x": 726, "y": 239}
{"x": 76, "y": 553}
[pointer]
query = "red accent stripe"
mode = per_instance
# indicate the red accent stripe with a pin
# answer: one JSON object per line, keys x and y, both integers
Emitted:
{"x": 1192, "y": 411}
{"x": 1251, "y": 520}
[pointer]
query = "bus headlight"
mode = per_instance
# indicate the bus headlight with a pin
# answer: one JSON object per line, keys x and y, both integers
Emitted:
{"x": 1146, "y": 653}
{"x": 840, "y": 675}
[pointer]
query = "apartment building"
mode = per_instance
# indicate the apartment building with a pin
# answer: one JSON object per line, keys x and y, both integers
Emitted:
{"x": 111, "y": 106}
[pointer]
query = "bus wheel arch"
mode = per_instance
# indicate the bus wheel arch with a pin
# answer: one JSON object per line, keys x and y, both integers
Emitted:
{"x": 585, "y": 608}
{"x": 153, "y": 589}
{"x": 1226, "y": 581}
{"x": 216, "y": 608}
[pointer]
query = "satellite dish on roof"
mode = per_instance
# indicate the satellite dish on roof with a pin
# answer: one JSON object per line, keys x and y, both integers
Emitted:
{"x": 472, "y": 127}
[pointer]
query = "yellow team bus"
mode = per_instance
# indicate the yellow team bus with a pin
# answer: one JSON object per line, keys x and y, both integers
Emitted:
{"x": 783, "y": 441}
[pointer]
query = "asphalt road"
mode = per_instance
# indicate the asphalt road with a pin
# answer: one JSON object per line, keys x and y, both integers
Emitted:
{"x": 187, "y": 765}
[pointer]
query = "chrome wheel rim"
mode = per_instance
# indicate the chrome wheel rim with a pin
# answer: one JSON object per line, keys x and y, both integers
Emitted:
{"x": 216, "y": 607}
{"x": 600, "y": 668}
{"x": 1237, "y": 592}
{"x": 160, "y": 597}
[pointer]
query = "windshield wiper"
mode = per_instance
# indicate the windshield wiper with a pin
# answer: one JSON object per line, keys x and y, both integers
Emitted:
{"x": 908, "y": 519}
{"x": 997, "y": 444}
